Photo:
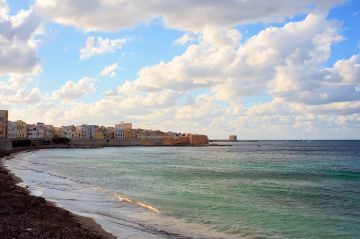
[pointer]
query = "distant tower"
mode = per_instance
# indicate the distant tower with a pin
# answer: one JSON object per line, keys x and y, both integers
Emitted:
{"x": 233, "y": 138}
{"x": 3, "y": 124}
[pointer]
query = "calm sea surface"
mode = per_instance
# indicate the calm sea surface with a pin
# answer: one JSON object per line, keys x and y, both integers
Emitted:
{"x": 265, "y": 189}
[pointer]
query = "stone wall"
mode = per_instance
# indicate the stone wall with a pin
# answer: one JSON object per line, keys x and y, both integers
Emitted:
{"x": 182, "y": 140}
{"x": 5, "y": 146}
{"x": 146, "y": 141}
{"x": 197, "y": 139}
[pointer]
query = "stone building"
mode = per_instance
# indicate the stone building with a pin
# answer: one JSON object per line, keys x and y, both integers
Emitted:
{"x": 198, "y": 139}
{"x": 3, "y": 124}
{"x": 233, "y": 138}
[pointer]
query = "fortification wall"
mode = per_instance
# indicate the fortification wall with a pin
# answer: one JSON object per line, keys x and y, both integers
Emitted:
{"x": 198, "y": 139}
{"x": 148, "y": 141}
{"x": 182, "y": 140}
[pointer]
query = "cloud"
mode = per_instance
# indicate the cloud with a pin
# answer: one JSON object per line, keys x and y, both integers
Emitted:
{"x": 100, "y": 46}
{"x": 71, "y": 91}
{"x": 109, "y": 70}
{"x": 349, "y": 69}
{"x": 184, "y": 39}
{"x": 18, "y": 47}
{"x": 103, "y": 15}
{"x": 281, "y": 61}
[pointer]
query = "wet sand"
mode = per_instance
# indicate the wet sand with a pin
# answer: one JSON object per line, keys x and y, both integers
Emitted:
{"x": 25, "y": 216}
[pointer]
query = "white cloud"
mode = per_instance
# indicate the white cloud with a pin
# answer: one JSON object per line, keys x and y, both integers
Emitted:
{"x": 18, "y": 47}
{"x": 109, "y": 70}
{"x": 349, "y": 69}
{"x": 192, "y": 15}
{"x": 184, "y": 39}
{"x": 99, "y": 46}
{"x": 75, "y": 90}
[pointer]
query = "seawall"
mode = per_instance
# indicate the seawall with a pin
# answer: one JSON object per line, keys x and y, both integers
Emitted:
{"x": 5, "y": 146}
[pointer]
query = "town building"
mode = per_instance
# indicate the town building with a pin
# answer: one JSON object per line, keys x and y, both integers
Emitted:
{"x": 129, "y": 134}
{"x": 49, "y": 132}
{"x": 78, "y": 130}
{"x": 100, "y": 132}
{"x": 11, "y": 130}
{"x": 109, "y": 133}
{"x": 21, "y": 131}
{"x": 3, "y": 124}
{"x": 31, "y": 131}
{"x": 36, "y": 131}
{"x": 124, "y": 125}
{"x": 58, "y": 132}
{"x": 68, "y": 132}
{"x": 119, "y": 134}
{"x": 88, "y": 131}
{"x": 127, "y": 130}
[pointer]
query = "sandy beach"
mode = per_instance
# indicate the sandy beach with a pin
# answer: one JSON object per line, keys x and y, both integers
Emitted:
{"x": 25, "y": 216}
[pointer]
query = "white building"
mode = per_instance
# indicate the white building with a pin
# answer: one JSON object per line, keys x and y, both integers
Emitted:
{"x": 36, "y": 131}
{"x": 119, "y": 133}
{"x": 88, "y": 131}
{"x": 11, "y": 130}
{"x": 68, "y": 132}
{"x": 31, "y": 131}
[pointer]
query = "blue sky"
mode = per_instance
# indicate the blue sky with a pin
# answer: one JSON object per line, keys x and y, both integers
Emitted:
{"x": 288, "y": 72}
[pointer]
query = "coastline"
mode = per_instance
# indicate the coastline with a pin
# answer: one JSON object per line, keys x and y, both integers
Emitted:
{"x": 26, "y": 216}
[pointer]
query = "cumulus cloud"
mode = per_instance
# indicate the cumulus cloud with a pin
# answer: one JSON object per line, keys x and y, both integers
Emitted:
{"x": 100, "y": 46}
{"x": 75, "y": 90}
{"x": 281, "y": 61}
{"x": 109, "y": 70}
{"x": 103, "y": 15}
{"x": 18, "y": 56}
{"x": 18, "y": 47}
{"x": 349, "y": 69}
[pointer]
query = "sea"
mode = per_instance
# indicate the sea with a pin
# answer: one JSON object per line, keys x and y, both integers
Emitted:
{"x": 247, "y": 189}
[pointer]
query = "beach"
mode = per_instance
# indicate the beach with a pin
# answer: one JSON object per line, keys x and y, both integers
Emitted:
{"x": 25, "y": 216}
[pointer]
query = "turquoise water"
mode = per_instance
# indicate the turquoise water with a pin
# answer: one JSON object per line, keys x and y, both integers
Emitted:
{"x": 265, "y": 189}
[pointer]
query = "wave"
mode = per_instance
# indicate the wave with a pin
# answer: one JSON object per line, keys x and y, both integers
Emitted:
{"x": 123, "y": 198}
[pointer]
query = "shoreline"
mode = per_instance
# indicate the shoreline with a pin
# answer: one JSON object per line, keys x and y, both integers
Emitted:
{"x": 26, "y": 216}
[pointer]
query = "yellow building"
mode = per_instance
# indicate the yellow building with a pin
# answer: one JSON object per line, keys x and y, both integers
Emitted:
{"x": 78, "y": 134}
{"x": 110, "y": 133}
{"x": 21, "y": 129}
{"x": 100, "y": 135}
{"x": 3, "y": 124}
{"x": 58, "y": 132}
{"x": 129, "y": 134}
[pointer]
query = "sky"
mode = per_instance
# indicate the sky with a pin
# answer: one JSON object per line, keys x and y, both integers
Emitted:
{"x": 258, "y": 69}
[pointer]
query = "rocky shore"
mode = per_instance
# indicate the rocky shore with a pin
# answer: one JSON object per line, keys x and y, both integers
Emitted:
{"x": 25, "y": 216}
